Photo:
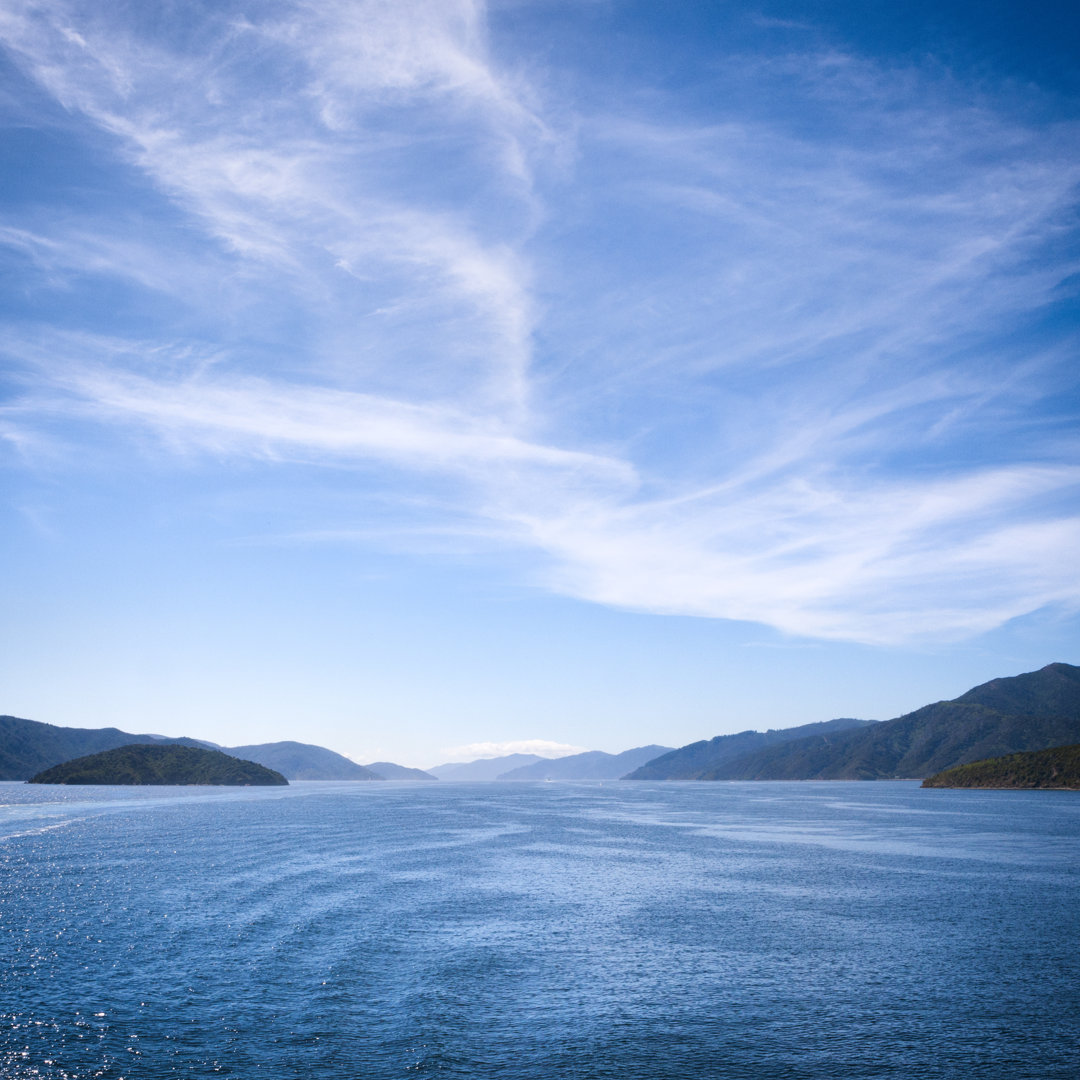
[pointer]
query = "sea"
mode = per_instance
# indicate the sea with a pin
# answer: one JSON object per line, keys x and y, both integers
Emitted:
{"x": 631, "y": 930}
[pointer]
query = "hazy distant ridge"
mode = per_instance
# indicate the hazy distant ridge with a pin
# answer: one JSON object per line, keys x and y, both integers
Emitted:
{"x": 387, "y": 770}
{"x": 591, "y": 765}
{"x": 483, "y": 768}
{"x": 303, "y": 761}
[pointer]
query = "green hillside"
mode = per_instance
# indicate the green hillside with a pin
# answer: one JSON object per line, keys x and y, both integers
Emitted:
{"x": 1051, "y": 691}
{"x": 142, "y": 763}
{"x": 697, "y": 760}
{"x": 981, "y": 723}
{"x": 28, "y": 746}
{"x": 1058, "y": 767}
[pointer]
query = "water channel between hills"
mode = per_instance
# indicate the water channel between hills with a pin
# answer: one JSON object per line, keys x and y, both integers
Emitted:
{"x": 643, "y": 931}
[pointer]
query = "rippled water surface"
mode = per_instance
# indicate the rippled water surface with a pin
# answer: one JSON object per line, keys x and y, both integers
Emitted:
{"x": 634, "y": 930}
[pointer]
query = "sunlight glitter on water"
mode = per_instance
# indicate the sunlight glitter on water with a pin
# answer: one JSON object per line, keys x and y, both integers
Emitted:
{"x": 643, "y": 931}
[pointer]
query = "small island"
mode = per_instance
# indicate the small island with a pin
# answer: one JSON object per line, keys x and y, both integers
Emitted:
{"x": 149, "y": 763}
{"x": 1057, "y": 768}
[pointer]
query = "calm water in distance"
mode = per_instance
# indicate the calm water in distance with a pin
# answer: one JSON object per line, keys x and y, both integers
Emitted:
{"x": 643, "y": 931}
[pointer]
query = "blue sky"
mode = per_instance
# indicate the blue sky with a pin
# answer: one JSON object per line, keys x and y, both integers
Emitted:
{"x": 427, "y": 378}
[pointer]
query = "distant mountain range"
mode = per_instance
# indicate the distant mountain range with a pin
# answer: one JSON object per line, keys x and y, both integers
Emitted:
{"x": 1034, "y": 711}
{"x": 483, "y": 768}
{"x": 592, "y": 765}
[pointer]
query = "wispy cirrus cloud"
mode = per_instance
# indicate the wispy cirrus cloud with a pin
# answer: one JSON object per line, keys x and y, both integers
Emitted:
{"x": 757, "y": 365}
{"x": 254, "y": 417}
{"x": 901, "y": 221}
{"x": 297, "y": 197}
{"x": 904, "y": 562}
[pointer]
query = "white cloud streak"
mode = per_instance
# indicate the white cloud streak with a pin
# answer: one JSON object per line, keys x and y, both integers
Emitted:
{"x": 903, "y": 563}
{"x": 254, "y": 417}
{"x": 773, "y": 366}
{"x": 284, "y": 188}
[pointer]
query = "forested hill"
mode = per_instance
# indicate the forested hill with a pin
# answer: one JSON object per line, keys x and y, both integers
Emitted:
{"x": 1033, "y": 711}
{"x": 28, "y": 746}
{"x": 1056, "y": 768}
{"x": 1051, "y": 691}
{"x": 145, "y": 763}
{"x": 693, "y": 762}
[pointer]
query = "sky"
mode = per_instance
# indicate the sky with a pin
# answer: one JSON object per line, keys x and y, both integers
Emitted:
{"x": 430, "y": 379}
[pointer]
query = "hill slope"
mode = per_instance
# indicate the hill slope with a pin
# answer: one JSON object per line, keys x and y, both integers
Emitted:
{"x": 591, "y": 765}
{"x": 1058, "y": 768}
{"x": 1051, "y": 691}
{"x": 981, "y": 723}
{"x": 144, "y": 763}
{"x": 303, "y": 761}
{"x": 694, "y": 761}
{"x": 483, "y": 768}
{"x": 387, "y": 770}
{"x": 28, "y": 746}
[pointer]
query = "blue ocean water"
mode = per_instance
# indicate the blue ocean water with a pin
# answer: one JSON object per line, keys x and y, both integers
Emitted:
{"x": 632, "y": 930}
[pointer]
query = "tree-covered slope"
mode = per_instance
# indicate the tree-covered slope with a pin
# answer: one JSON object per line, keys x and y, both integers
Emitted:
{"x": 1058, "y": 767}
{"x": 590, "y": 765}
{"x": 145, "y": 763}
{"x": 28, "y": 746}
{"x": 303, "y": 761}
{"x": 1051, "y": 691}
{"x": 695, "y": 761}
{"x": 974, "y": 726}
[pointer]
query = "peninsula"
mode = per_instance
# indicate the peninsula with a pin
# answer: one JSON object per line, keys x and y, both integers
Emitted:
{"x": 142, "y": 763}
{"x": 1057, "y": 768}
